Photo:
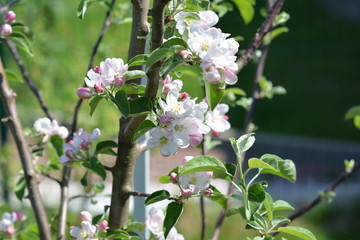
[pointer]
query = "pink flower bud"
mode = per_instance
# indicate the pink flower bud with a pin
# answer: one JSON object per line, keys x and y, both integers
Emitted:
{"x": 184, "y": 95}
{"x": 165, "y": 119}
{"x": 209, "y": 173}
{"x": 166, "y": 89}
{"x": 186, "y": 192}
{"x": 85, "y": 145}
{"x": 186, "y": 159}
{"x": 5, "y": 30}
{"x": 208, "y": 191}
{"x": 10, "y": 231}
{"x": 18, "y": 216}
{"x": 83, "y": 93}
{"x": 98, "y": 88}
{"x": 97, "y": 69}
{"x": 195, "y": 139}
{"x": 167, "y": 79}
{"x": 211, "y": 74}
{"x": 119, "y": 81}
{"x": 69, "y": 154}
{"x": 173, "y": 177}
{"x": 225, "y": 117}
{"x": 71, "y": 142}
{"x": 215, "y": 133}
{"x": 85, "y": 216}
{"x": 10, "y": 17}
{"x": 103, "y": 225}
{"x": 184, "y": 53}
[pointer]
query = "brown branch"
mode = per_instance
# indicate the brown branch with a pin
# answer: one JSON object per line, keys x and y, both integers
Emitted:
{"x": 27, "y": 79}
{"x": 8, "y": 99}
{"x": 51, "y": 178}
{"x": 87, "y": 195}
{"x": 340, "y": 179}
{"x": 137, "y": 194}
{"x": 67, "y": 169}
{"x": 259, "y": 35}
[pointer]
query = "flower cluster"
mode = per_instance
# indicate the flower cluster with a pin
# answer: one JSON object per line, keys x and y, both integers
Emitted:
{"x": 193, "y": 183}
{"x": 7, "y": 223}
{"x": 217, "y": 120}
{"x": 48, "y": 128}
{"x": 154, "y": 222}
{"x": 77, "y": 149}
{"x": 180, "y": 121}
{"x": 109, "y": 74}
{"x": 5, "y": 27}
{"x": 87, "y": 230}
{"x": 211, "y": 45}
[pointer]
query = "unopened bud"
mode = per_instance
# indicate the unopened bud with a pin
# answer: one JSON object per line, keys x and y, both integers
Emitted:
{"x": 85, "y": 216}
{"x": 69, "y": 154}
{"x": 10, "y": 17}
{"x": 215, "y": 133}
{"x": 5, "y": 30}
{"x": 208, "y": 191}
{"x": 195, "y": 139}
{"x": 209, "y": 173}
{"x": 186, "y": 192}
{"x": 85, "y": 145}
{"x": 103, "y": 225}
{"x": 97, "y": 69}
{"x": 173, "y": 177}
{"x": 119, "y": 81}
{"x": 225, "y": 117}
{"x": 186, "y": 159}
{"x": 19, "y": 216}
{"x": 10, "y": 231}
{"x": 98, "y": 88}
{"x": 184, "y": 95}
{"x": 184, "y": 53}
{"x": 165, "y": 119}
{"x": 83, "y": 93}
{"x": 71, "y": 142}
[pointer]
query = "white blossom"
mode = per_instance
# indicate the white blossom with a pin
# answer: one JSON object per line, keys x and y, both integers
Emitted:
{"x": 49, "y": 128}
{"x": 217, "y": 120}
{"x": 86, "y": 231}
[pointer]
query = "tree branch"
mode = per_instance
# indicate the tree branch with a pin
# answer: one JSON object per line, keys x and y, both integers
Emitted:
{"x": 8, "y": 99}
{"x": 259, "y": 35}
{"x": 67, "y": 169}
{"x": 27, "y": 79}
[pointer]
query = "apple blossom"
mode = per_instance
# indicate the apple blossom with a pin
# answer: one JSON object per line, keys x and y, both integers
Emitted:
{"x": 84, "y": 92}
{"x": 103, "y": 225}
{"x": 10, "y": 16}
{"x": 49, "y": 128}
{"x": 8, "y": 220}
{"x": 87, "y": 231}
{"x": 85, "y": 216}
{"x": 5, "y": 30}
{"x": 194, "y": 182}
{"x": 217, "y": 120}
{"x": 162, "y": 138}
{"x": 207, "y": 19}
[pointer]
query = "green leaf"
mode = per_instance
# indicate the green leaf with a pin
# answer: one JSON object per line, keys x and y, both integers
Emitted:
{"x": 83, "y": 180}
{"x": 214, "y": 93}
{"x": 11, "y": 76}
{"x": 246, "y": 9}
{"x": 242, "y": 144}
{"x": 258, "y": 163}
{"x": 298, "y": 232}
{"x": 122, "y": 103}
{"x": 145, "y": 126}
{"x": 174, "y": 42}
{"x": 269, "y": 206}
{"x": 157, "y": 196}
{"x": 256, "y": 196}
{"x": 244, "y": 102}
{"x": 134, "y": 226}
{"x": 117, "y": 234}
{"x": 352, "y": 112}
{"x": 202, "y": 164}
{"x": 157, "y": 55}
{"x": 133, "y": 88}
{"x": 19, "y": 188}
{"x": 21, "y": 41}
{"x": 284, "y": 168}
{"x": 281, "y": 18}
{"x": 217, "y": 197}
{"x": 279, "y": 221}
{"x": 232, "y": 211}
{"x": 349, "y": 165}
{"x": 134, "y": 74}
{"x": 138, "y": 60}
{"x": 98, "y": 187}
{"x": 357, "y": 121}
{"x": 140, "y": 106}
{"x": 95, "y": 166}
{"x": 282, "y": 205}
{"x": 164, "y": 179}
{"x": 96, "y": 219}
{"x": 82, "y": 8}
{"x": 57, "y": 143}
{"x": 170, "y": 63}
{"x": 191, "y": 15}
{"x": 237, "y": 91}
{"x": 172, "y": 215}
{"x": 93, "y": 104}
{"x": 105, "y": 147}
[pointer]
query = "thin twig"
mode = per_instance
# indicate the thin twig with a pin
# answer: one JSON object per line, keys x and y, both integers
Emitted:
{"x": 14, "y": 124}
{"x": 8, "y": 5}
{"x": 340, "y": 179}
{"x": 259, "y": 35}
{"x": 137, "y": 194}
{"x": 27, "y": 78}
{"x": 67, "y": 169}
{"x": 202, "y": 204}
{"x": 87, "y": 195}
{"x": 51, "y": 178}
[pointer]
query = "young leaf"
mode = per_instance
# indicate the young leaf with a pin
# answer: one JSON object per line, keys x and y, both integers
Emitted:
{"x": 173, "y": 42}
{"x": 279, "y": 221}
{"x": 285, "y": 168}
{"x": 157, "y": 55}
{"x": 122, "y": 103}
{"x": 269, "y": 206}
{"x": 11, "y": 76}
{"x": 170, "y": 63}
{"x": 57, "y": 143}
{"x": 105, "y": 147}
{"x": 242, "y": 144}
{"x": 352, "y": 112}
{"x": 21, "y": 41}
{"x": 202, "y": 164}
{"x": 258, "y": 163}
{"x": 246, "y": 9}
{"x": 145, "y": 126}
{"x": 228, "y": 175}
{"x": 96, "y": 219}
{"x": 157, "y": 196}
{"x": 93, "y": 104}
{"x": 236, "y": 91}
{"x": 214, "y": 93}
{"x": 298, "y": 232}
{"x": 140, "y": 106}
{"x": 217, "y": 197}
{"x": 98, "y": 187}
{"x": 282, "y": 205}
{"x": 138, "y": 60}
{"x": 134, "y": 74}
{"x": 256, "y": 196}
{"x": 133, "y": 88}
{"x": 83, "y": 180}
{"x": 95, "y": 166}
{"x": 19, "y": 188}
{"x": 82, "y": 8}
{"x": 172, "y": 215}
{"x": 117, "y": 234}
{"x": 164, "y": 179}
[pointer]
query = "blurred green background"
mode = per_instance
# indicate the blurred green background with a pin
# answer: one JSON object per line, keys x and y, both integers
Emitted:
{"x": 317, "y": 62}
